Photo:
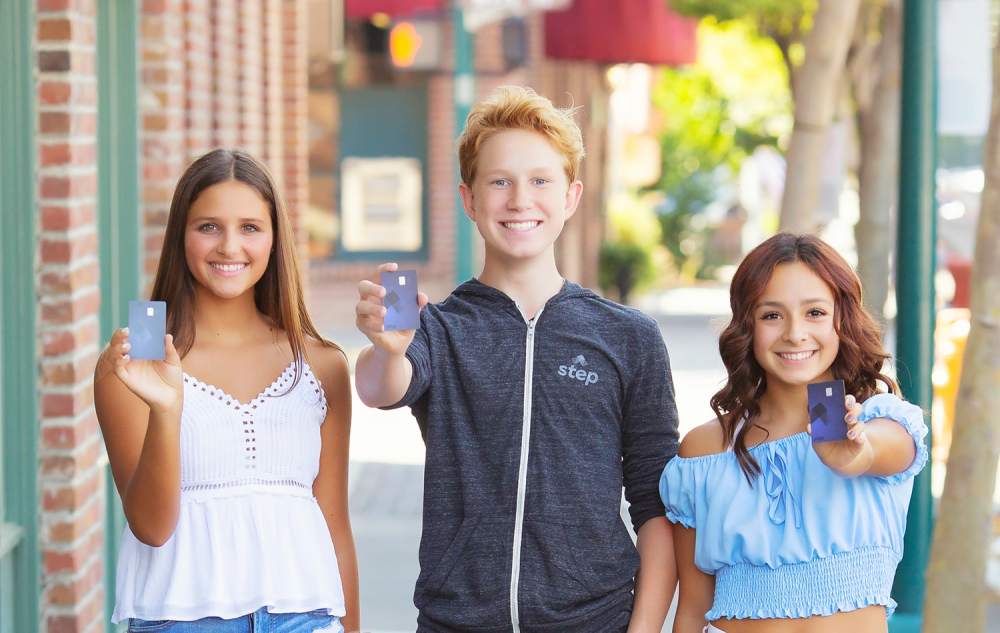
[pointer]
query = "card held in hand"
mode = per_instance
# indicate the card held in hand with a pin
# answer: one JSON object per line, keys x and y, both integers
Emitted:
{"x": 400, "y": 300}
{"x": 827, "y": 411}
{"x": 147, "y": 326}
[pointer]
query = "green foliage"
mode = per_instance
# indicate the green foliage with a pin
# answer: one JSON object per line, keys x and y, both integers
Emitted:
{"x": 626, "y": 260}
{"x": 620, "y": 266}
{"x": 737, "y": 9}
{"x": 715, "y": 113}
{"x": 779, "y": 19}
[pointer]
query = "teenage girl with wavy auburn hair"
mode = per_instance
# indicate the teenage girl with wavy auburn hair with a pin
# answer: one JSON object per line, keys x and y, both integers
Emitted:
{"x": 231, "y": 454}
{"x": 772, "y": 532}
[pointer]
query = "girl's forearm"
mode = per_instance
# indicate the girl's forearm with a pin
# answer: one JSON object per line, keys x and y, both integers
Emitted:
{"x": 657, "y": 577}
{"x": 347, "y": 563}
{"x": 860, "y": 464}
{"x": 152, "y": 499}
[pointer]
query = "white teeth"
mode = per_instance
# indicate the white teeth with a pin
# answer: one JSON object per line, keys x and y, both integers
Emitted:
{"x": 521, "y": 226}
{"x": 229, "y": 268}
{"x": 796, "y": 355}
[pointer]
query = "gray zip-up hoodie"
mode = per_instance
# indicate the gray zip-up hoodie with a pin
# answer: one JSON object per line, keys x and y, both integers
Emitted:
{"x": 532, "y": 428}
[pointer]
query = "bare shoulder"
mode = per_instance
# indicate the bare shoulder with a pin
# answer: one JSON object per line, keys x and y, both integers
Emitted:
{"x": 704, "y": 439}
{"x": 329, "y": 364}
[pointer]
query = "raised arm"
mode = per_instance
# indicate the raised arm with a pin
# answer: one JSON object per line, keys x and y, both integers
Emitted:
{"x": 885, "y": 438}
{"x": 138, "y": 406}
{"x": 382, "y": 373}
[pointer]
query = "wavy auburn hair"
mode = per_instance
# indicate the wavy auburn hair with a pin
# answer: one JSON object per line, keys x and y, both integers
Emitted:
{"x": 859, "y": 359}
{"x": 277, "y": 294}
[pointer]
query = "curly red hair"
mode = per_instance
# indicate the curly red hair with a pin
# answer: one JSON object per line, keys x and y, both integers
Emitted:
{"x": 860, "y": 357}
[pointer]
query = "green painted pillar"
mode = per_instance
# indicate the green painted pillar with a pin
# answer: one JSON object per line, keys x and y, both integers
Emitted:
{"x": 20, "y": 561}
{"x": 464, "y": 94}
{"x": 915, "y": 269}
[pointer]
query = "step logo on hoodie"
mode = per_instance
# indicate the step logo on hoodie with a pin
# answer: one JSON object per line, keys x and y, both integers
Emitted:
{"x": 575, "y": 370}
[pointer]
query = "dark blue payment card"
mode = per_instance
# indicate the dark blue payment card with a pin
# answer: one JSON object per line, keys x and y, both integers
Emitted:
{"x": 400, "y": 300}
{"x": 827, "y": 411}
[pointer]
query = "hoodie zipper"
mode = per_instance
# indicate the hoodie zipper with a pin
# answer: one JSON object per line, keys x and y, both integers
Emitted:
{"x": 522, "y": 473}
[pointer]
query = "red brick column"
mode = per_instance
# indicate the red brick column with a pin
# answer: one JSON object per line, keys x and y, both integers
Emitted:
{"x": 71, "y": 477}
{"x": 162, "y": 130}
{"x": 197, "y": 78}
{"x": 295, "y": 89}
{"x": 442, "y": 178}
{"x": 249, "y": 72}
{"x": 225, "y": 80}
{"x": 273, "y": 83}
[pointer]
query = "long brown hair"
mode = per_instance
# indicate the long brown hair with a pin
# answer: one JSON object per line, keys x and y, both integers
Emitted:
{"x": 277, "y": 294}
{"x": 859, "y": 359}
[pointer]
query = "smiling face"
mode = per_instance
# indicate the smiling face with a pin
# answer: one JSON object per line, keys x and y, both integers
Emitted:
{"x": 794, "y": 339}
{"x": 521, "y": 197}
{"x": 228, "y": 238}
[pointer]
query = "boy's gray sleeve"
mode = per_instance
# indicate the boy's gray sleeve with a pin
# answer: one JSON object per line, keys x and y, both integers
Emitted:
{"x": 650, "y": 437}
{"x": 419, "y": 355}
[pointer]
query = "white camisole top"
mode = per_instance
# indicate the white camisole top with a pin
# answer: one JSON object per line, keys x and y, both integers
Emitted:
{"x": 249, "y": 534}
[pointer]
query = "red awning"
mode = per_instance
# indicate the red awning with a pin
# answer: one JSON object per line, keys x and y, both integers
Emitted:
{"x": 364, "y": 9}
{"x": 620, "y": 32}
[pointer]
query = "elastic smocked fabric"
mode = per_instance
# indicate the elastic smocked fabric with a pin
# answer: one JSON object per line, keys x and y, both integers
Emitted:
{"x": 800, "y": 540}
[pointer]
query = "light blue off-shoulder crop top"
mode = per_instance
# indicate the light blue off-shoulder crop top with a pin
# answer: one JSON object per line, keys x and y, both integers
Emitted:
{"x": 802, "y": 540}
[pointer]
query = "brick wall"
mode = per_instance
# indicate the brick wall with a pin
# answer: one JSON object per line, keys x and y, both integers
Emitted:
{"x": 71, "y": 476}
{"x": 162, "y": 103}
{"x": 239, "y": 84}
{"x": 225, "y": 80}
{"x": 210, "y": 73}
{"x": 197, "y": 79}
{"x": 272, "y": 150}
{"x": 249, "y": 72}
{"x": 295, "y": 90}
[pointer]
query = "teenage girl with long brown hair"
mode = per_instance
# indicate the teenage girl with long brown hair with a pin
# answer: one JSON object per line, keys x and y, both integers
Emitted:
{"x": 231, "y": 454}
{"x": 772, "y": 532}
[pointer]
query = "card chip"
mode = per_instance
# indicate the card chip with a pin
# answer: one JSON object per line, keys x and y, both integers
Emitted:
{"x": 149, "y": 311}
{"x": 402, "y": 280}
{"x": 829, "y": 391}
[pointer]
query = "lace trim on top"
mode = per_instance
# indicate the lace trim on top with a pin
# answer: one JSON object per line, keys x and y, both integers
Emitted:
{"x": 253, "y": 481}
{"x": 275, "y": 389}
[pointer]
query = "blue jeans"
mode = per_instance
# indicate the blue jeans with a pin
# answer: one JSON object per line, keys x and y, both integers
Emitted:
{"x": 260, "y": 621}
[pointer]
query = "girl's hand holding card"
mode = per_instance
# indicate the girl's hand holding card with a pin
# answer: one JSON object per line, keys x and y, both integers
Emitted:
{"x": 838, "y": 436}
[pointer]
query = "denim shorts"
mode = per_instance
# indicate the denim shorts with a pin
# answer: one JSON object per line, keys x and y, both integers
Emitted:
{"x": 259, "y": 621}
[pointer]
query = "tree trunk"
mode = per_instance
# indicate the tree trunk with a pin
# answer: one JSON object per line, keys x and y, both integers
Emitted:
{"x": 956, "y": 592}
{"x": 878, "y": 131}
{"x": 817, "y": 89}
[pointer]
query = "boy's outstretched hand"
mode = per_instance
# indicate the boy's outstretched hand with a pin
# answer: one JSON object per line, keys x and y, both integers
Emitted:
{"x": 371, "y": 315}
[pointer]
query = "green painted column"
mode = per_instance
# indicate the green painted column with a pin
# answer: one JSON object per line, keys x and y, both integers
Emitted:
{"x": 915, "y": 268}
{"x": 464, "y": 94}
{"x": 20, "y": 562}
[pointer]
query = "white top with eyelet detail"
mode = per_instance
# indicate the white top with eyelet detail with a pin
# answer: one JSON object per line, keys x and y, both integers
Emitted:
{"x": 249, "y": 533}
